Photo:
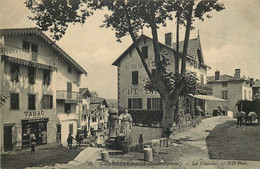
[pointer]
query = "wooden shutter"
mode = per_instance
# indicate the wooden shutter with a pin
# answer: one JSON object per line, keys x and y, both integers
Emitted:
{"x": 145, "y": 51}
{"x": 148, "y": 103}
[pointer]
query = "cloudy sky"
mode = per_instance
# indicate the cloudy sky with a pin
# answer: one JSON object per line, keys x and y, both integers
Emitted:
{"x": 230, "y": 40}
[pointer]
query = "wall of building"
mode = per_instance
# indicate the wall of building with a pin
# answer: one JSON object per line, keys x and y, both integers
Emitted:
{"x": 132, "y": 62}
{"x": 59, "y": 81}
{"x": 234, "y": 93}
{"x": 15, "y": 117}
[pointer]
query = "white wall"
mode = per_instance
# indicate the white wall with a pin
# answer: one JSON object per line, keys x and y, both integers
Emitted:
{"x": 132, "y": 62}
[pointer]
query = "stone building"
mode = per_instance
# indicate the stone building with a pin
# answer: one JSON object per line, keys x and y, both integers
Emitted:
{"x": 231, "y": 88}
{"x": 42, "y": 82}
{"x": 132, "y": 75}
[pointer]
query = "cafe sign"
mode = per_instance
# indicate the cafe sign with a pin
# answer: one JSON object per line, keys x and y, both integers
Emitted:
{"x": 34, "y": 113}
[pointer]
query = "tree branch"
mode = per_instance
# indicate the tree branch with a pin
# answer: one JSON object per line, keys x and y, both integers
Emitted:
{"x": 187, "y": 36}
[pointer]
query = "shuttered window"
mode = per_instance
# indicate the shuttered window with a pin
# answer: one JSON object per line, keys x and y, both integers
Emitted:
{"x": 47, "y": 101}
{"x": 15, "y": 72}
{"x": 14, "y": 101}
{"x": 71, "y": 128}
{"x": 46, "y": 77}
{"x": 135, "y": 103}
{"x": 135, "y": 77}
{"x": 31, "y": 101}
{"x": 154, "y": 103}
{"x": 148, "y": 103}
{"x": 31, "y": 75}
{"x": 225, "y": 94}
{"x": 145, "y": 51}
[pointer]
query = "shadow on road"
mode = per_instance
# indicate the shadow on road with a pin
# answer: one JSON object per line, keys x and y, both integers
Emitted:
{"x": 228, "y": 142}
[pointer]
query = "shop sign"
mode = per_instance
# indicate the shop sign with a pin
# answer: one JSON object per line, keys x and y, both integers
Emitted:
{"x": 33, "y": 113}
{"x": 136, "y": 91}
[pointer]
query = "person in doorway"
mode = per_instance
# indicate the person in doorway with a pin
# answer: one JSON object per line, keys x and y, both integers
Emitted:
{"x": 44, "y": 137}
{"x": 70, "y": 140}
{"x": 33, "y": 142}
{"x": 59, "y": 139}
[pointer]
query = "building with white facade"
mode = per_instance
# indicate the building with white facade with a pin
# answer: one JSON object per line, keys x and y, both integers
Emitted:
{"x": 132, "y": 75}
{"x": 42, "y": 82}
{"x": 231, "y": 88}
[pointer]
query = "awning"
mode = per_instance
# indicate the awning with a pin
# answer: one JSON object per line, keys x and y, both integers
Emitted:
{"x": 73, "y": 101}
{"x": 207, "y": 97}
{"x": 30, "y": 63}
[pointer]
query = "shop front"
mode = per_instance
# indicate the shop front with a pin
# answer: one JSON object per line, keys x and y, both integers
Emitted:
{"x": 38, "y": 126}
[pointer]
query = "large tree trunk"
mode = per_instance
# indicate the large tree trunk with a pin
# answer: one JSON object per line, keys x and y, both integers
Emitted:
{"x": 168, "y": 114}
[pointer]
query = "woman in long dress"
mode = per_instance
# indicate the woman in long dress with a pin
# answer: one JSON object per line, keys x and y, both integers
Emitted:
{"x": 126, "y": 125}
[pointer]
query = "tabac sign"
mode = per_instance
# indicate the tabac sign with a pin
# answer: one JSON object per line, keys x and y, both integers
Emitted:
{"x": 34, "y": 113}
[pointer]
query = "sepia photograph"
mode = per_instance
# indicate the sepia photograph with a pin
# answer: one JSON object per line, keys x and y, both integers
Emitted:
{"x": 106, "y": 84}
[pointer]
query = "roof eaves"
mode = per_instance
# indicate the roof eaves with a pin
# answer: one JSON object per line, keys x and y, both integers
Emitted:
{"x": 39, "y": 33}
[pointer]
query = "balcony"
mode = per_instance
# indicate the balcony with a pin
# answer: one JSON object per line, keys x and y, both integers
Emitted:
{"x": 69, "y": 97}
{"x": 204, "y": 89}
{"x": 33, "y": 57}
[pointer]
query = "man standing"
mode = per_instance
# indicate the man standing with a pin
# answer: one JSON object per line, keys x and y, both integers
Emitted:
{"x": 239, "y": 118}
{"x": 69, "y": 140}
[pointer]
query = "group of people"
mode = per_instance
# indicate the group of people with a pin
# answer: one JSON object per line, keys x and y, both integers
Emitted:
{"x": 79, "y": 140}
{"x": 42, "y": 139}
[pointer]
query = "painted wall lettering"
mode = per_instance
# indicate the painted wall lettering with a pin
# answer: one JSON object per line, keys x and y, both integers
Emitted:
{"x": 33, "y": 113}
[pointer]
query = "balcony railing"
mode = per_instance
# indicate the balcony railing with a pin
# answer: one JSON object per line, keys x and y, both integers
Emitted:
{"x": 20, "y": 53}
{"x": 204, "y": 89}
{"x": 62, "y": 94}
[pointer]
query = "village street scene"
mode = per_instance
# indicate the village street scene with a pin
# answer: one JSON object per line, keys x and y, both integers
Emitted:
{"x": 131, "y": 83}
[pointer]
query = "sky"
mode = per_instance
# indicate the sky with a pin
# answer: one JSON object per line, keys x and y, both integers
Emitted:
{"x": 230, "y": 40}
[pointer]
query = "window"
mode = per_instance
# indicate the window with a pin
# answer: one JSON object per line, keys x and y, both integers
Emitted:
{"x": 31, "y": 75}
{"x": 145, "y": 51}
{"x": 225, "y": 95}
{"x": 46, "y": 77}
{"x": 135, "y": 77}
{"x": 154, "y": 103}
{"x": 245, "y": 97}
{"x": 34, "y": 52}
{"x": 69, "y": 69}
{"x": 94, "y": 119}
{"x": 224, "y": 84}
{"x": 202, "y": 79}
{"x": 26, "y": 46}
{"x": 14, "y": 101}
{"x": 84, "y": 117}
{"x": 67, "y": 108}
{"x": 70, "y": 128}
{"x": 15, "y": 72}
{"x": 135, "y": 103}
{"x": 47, "y": 101}
{"x": 31, "y": 101}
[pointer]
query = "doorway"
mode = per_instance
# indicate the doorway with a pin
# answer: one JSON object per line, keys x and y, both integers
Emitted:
{"x": 8, "y": 144}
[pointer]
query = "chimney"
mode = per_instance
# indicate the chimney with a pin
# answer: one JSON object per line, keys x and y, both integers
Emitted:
{"x": 237, "y": 74}
{"x": 168, "y": 39}
{"x": 217, "y": 75}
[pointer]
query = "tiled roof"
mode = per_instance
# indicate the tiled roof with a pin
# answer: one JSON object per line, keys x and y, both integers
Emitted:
{"x": 192, "y": 47}
{"x": 221, "y": 78}
{"x": 194, "y": 44}
{"x": 37, "y": 32}
{"x": 97, "y": 100}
